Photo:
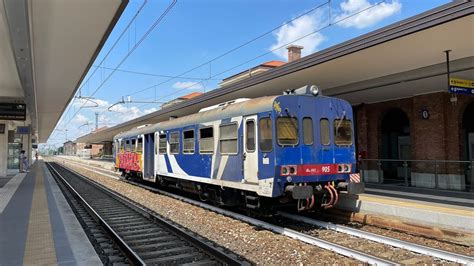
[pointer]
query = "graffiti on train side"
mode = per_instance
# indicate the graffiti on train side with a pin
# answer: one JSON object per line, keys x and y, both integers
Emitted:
{"x": 130, "y": 161}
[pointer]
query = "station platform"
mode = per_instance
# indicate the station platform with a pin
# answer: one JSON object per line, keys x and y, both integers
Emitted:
{"x": 422, "y": 216}
{"x": 37, "y": 226}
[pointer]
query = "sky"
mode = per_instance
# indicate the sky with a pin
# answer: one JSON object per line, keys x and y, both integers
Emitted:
{"x": 183, "y": 52}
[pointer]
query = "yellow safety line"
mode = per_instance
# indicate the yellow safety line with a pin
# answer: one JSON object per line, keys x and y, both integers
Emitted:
{"x": 409, "y": 204}
{"x": 39, "y": 248}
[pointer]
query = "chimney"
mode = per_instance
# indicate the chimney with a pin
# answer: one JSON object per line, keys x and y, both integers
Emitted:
{"x": 294, "y": 52}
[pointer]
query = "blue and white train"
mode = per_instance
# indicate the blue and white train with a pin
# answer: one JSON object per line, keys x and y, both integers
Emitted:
{"x": 296, "y": 147}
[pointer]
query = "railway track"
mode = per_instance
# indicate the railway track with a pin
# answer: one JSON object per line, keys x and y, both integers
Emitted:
{"x": 346, "y": 241}
{"x": 126, "y": 233}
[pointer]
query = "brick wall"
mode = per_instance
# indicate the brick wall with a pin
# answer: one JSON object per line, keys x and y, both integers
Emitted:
{"x": 438, "y": 137}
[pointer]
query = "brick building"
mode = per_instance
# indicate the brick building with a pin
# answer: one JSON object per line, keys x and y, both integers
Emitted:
{"x": 423, "y": 137}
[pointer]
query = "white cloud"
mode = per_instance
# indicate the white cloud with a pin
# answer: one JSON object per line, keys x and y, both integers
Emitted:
{"x": 151, "y": 110}
{"x": 297, "y": 29}
{"x": 366, "y": 18}
{"x": 188, "y": 85}
{"x": 80, "y": 120}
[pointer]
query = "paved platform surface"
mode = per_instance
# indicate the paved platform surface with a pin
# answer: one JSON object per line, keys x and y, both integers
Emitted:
{"x": 421, "y": 212}
{"x": 37, "y": 226}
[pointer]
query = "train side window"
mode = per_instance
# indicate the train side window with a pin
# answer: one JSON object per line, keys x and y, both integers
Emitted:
{"x": 324, "y": 131}
{"x": 206, "y": 140}
{"x": 122, "y": 145}
{"x": 342, "y": 132}
{"x": 127, "y": 145}
{"x": 287, "y": 131}
{"x": 228, "y": 139}
{"x": 308, "y": 136}
{"x": 250, "y": 135}
{"x": 265, "y": 142}
{"x": 140, "y": 145}
{"x": 134, "y": 145}
{"x": 162, "y": 144}
{"x": 188, "y": 141}
{"x": 174, "y": 142}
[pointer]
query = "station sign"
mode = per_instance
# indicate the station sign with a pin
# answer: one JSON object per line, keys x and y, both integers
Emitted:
{"x": 12, "y": 111}
{"x": 461, "y": 86}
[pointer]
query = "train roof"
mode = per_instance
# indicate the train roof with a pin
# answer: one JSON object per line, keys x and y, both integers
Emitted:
{"x": 223, "y": 111}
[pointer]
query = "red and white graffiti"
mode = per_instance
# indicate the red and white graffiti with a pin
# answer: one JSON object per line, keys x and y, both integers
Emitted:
{"x": 130, "y": 161}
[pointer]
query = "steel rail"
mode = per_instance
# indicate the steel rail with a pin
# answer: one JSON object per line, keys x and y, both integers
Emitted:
{"x": 131, "y": 255}
{"x": 217, "y": 253}
{"x": 276, "y": 229}
{"x": 438, "y": 253}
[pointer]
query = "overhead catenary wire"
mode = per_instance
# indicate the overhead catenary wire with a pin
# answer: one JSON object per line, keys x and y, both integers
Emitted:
{"x": 132, "y": 20}
{"x": 150, "y": 74}
{"x": 150, "y": 29}
{"x": 330, "y": 24}
{"x": 235, "y": 48}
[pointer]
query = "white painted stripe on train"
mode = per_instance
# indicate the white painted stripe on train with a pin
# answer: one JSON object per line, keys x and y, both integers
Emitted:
{"x": 175, "y": 167}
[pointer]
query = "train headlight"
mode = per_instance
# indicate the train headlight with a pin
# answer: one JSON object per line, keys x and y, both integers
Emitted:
{"x": 284, "y": 170}
{"x": 346, "y": 168}
{"x": 292, "y": 170}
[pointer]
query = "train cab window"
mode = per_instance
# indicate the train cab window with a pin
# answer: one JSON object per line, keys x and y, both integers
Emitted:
{"x": 162, "y": 144}
{"x": 324, "y": 131}
{"x": 342, "y": 132}
{"x": 287, "y": 131}
{"x": 188, "y": 141}
{"x": 174, "y": 142}
{"x": 308, "y": 131}
{"x": 206, "y": 140}
{"x": 140, "y": 145}
{"x": 250, "y": 135}
{"x": 127, "y": 145}
{"x": 134, "y": 145}
{"x": 122, "y": 146}
{"x": 265, "y": 130}
{"x": 228, "y": 139}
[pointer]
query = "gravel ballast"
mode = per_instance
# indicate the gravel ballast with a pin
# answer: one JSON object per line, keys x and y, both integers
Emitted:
{"x": 256, "y": 245}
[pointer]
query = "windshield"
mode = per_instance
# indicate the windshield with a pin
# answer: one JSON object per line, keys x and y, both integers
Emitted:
{"x": 342, "y": 132}
{"x": 287, "y": 131}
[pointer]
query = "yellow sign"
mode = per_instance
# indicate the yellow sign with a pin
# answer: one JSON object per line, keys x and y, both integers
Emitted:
{"x": 463, "y": 83}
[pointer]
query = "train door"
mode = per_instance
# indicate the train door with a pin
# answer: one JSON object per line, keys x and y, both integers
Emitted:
{"x": 148, "y": 162}
{"x": 250, "y": 150}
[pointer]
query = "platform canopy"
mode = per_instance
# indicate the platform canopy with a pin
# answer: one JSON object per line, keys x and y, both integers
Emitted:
{"x": 46, "y": 49}
{"x": 398, "y": 61}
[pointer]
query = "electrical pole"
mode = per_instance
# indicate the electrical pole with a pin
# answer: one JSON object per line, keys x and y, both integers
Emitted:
{"x": 96, "y": 120}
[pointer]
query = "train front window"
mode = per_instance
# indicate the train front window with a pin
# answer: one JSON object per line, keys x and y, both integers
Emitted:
{"x": 265, "y": 134}
{"x": 342, "y": 132}
{"x": 308, "y": 131}
{"x": 287, "y": 131}
{"x": 324, "y": 131}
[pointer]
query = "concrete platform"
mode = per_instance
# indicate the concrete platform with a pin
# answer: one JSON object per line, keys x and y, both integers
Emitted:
{"x": 418, "y": 212}
{"x": 37, "y": 226}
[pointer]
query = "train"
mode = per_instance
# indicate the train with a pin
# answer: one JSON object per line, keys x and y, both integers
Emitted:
{"x": 294, "y": 148}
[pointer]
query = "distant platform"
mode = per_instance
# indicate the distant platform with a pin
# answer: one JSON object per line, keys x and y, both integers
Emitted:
{"x": 37, "y": 226}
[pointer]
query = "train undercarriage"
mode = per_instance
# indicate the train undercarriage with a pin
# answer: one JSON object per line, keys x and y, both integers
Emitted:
{"x": 305, "y": 196}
